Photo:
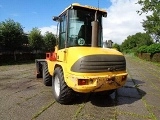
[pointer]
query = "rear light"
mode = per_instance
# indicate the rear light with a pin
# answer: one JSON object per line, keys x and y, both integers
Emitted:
{"x": 124, "y": 77}
{"x": 82, "y": 81}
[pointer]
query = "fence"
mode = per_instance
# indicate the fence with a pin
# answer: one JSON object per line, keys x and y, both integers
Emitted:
{"x": 23, "y": 57}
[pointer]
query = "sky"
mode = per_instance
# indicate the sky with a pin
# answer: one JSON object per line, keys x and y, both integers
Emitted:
{"x": 122, "y": 19}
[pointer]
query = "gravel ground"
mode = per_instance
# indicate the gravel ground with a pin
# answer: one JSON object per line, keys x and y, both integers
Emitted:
{"x": 23, "y": 97}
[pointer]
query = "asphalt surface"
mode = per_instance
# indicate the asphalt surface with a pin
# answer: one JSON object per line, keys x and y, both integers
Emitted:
{"x": 23, "y": 97}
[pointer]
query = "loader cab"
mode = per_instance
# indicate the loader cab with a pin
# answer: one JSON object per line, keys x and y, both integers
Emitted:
{"x": 76, "y": 27}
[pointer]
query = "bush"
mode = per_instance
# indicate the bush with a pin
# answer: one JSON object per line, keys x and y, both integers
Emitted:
{"x": 128, "y": 51}
{"x": 142, "y": 49}
{"x": 154, "y": 48}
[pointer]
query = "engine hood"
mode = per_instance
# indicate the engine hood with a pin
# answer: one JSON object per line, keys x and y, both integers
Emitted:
{"x": 93, "y": 60}
{"x": 82, "y": 51}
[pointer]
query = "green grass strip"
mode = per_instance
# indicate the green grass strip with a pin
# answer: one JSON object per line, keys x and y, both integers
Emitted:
{"x": 79, "y": 110}
{"x": 42, "y": 110}
{"x": 134, "y": 115}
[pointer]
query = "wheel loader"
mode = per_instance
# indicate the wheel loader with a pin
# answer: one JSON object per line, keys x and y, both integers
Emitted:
{"x": 79, "y": 63}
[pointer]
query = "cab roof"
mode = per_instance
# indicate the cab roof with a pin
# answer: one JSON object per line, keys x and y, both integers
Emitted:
{"x": 77, "y": 5}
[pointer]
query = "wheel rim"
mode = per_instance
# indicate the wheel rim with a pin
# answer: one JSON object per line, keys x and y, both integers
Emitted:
{"x": 57, "y": 85}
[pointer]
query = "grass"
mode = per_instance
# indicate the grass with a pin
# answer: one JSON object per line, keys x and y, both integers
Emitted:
{"x": 42, "y": 110}
{"x": 138, "y": 59}
{"x": 134, "y": 115}
{"x": 79, "y": 110}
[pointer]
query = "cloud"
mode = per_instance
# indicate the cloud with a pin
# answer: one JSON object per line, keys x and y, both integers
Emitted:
{"x": 51, "y": 28}
{"x": 122, "y": 20}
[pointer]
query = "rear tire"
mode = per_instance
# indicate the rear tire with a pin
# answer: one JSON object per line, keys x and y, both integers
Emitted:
{"x": 39, "y": 75}
{"x": 47, "y": 78}
{"x": 105, "y": 93}
{"x": 61, "y": 92}
{"x": 38, "y": 69}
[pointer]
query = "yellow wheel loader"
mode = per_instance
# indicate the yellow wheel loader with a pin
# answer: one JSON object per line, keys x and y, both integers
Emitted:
{"x": 79, "y": 63}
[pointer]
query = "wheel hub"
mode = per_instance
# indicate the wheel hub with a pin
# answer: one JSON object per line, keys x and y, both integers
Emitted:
{"x": 57, "y": 85}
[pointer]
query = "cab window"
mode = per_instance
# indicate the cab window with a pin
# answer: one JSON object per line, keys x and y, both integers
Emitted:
{"x": 80, "y": 28}
{"x": 62, "y": 32}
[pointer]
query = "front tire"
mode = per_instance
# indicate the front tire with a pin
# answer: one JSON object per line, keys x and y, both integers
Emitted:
{"x": 47, "y": 78}
{"x": 61, "y": 92}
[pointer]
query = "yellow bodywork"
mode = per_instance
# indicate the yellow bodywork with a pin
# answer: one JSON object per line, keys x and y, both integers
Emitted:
{"x": 83, "y": 6}
{"x": 96, "y": 81}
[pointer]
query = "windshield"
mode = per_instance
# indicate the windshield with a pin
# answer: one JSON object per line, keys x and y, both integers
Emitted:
{"x": 80, "y": 28}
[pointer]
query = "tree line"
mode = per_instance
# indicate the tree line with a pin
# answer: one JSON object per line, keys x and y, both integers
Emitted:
{"x": 13, "y": 39}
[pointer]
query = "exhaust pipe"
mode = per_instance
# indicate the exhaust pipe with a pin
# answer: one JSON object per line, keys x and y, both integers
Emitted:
{"x": 95, "y": 32}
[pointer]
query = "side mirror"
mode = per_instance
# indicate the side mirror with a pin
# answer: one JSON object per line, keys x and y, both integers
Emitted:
{"x": 105, "y": 15}
{"x": 55, "y": 18}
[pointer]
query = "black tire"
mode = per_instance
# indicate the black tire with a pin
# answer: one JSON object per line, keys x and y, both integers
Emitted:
{"x": 61, "y": 92}
{"x": 38, "y": 69}
{"x": 47, "y": 78}
{"x": 105, "y": 93}
{"x": 39, "y": 76}
{"x": 109, "y": 92}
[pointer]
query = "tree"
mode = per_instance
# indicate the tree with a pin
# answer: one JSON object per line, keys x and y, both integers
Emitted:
{"x": 11, "y": 36}
{"x": 50, "y": 41}
{"x": 117, "y": 46}
{"x": 36, "y": 39}
{"x": 135, "y": 41}
{"x": 26, "y": 47}
{"x": 142, "y": 39}
{"x": 152, "y": 23}
{"x": 1, "y": 39}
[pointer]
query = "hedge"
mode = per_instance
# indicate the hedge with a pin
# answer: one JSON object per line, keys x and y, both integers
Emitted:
{"x": 153, "y": 48}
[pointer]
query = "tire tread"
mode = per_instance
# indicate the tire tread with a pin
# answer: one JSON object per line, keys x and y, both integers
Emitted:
{"x": 66, "y": 93}
{"x": 47, "y": 78}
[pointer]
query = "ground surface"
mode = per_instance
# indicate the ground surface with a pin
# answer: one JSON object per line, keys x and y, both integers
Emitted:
{"x": 23, "y": 97}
